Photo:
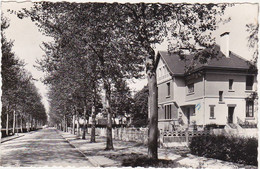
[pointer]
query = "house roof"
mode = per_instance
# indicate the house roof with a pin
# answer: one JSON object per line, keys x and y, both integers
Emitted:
{"x": 177, "y": 66}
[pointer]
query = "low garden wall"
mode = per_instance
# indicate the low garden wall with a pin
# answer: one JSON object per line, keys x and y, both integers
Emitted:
{"x": 140, "y": 135}
{"x": 126, "y": 134}
{"x": 167, "y": 138}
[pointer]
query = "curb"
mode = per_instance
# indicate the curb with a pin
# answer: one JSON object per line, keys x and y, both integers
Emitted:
{"x": 94, "y": 162}
{"x": 91, "y": 161}
{"x": 2, "y": 141}
{"x": 97, "y": 164}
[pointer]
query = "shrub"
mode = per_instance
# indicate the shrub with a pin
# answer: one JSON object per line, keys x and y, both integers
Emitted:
{"x": 213, "y": 126}
{"x": 233, "y": 149}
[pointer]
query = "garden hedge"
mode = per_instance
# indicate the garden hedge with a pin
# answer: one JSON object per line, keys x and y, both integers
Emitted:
{"x": 227, "y": 148}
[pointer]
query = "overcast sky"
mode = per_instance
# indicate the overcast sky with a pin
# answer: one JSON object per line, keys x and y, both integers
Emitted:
{"x": 27, "y": 39}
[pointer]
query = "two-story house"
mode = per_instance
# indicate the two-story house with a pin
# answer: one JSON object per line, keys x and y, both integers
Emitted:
{"x": 218, "y": 92}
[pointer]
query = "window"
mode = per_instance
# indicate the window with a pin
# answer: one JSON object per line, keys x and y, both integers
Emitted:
{"x": 212, "y": 113}
{"x": 164, "y": 71}
{"x": 230, "y": 84}
{"x": 168, "y": 89}
{"x": 220, "y": 96}
{"x": 249, "y": 82}
{"x": 168, "y": 111}
{"x": 249, "y": 108}
{"x": 191, "y": 88}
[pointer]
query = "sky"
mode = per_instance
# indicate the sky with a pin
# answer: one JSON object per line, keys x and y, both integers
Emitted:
{"x": 27, "y": 39}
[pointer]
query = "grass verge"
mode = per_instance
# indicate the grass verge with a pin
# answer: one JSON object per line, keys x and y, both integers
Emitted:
{"x": 140, "y": 160}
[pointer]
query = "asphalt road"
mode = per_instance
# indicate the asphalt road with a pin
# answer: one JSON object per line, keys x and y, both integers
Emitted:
{"x": 42, "y": 148}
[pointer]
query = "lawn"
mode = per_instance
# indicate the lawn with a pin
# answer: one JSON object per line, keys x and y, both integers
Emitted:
{"x": 140, "y": 160}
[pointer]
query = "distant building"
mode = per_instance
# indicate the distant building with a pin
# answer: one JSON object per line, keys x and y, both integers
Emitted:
{"x": 219, "y": 92}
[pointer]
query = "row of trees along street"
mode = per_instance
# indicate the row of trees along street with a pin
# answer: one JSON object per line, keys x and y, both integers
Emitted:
{"x": 21, "y": 102}
{"x": 98, "y": 46}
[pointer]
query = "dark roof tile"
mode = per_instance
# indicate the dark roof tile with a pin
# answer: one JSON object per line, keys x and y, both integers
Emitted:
{"x": 177, "y": 66}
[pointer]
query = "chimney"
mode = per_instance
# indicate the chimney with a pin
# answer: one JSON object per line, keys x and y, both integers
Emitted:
{"x": 224, "y": 43}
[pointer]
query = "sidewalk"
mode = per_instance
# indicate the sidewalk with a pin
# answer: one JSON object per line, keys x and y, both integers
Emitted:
{"x": 8, "y": 138}
{"x": 96, "y": 154}
{"x": 17, "y": 135}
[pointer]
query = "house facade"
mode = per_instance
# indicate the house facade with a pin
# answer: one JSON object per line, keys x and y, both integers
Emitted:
{"x": 221, "y": 92}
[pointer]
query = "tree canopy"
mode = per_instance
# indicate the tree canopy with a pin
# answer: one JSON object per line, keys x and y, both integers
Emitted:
{"x": 118, "y": 39}
{"x": 19, "y": 93}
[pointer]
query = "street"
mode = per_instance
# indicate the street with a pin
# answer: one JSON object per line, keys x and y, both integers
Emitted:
{"x": 42, "y": 148}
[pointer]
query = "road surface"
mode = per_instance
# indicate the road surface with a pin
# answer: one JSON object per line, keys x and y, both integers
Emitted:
{"x": 42, "y": 148}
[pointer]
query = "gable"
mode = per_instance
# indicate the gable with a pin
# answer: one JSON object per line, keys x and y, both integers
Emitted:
{"x": 162, "y": 71}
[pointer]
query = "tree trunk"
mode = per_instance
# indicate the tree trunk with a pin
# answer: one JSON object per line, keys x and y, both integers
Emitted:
{"x": 93, "y": 126}
{"x": 35, "y": 124}
{"x": 31, "y": 123}
{"x": 67, "y": 128}
{"x": 17, "y": 129}
{"x": 65, "y": 124}
{"x": 109, "y": 121}
{"x": 21, "y": 125}
{"x": 64, "y": 127}
{"x": 84, "y": 125}
{"x": 73, "y": 124}
{"x": 14, "y": 123}
{"x": 87, "y": 124}
{"x": 78, "y": 133}
{"x": 153, "y": 118}
{"x": 7, "y": 124}
{"x": 27, "y": 125}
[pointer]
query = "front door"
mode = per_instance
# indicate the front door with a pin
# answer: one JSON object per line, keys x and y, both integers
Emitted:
{"x": 230, "y": 114}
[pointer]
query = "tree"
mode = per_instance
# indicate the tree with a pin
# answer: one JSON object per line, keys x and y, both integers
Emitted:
{"x": 70, "y": 86}
{"x": 10, "y": 70}
{"x": 116, "y": 34}
{"x": 121, "y": 99}
{"x": 188, "y": 25}
{"x": 91, "y": 30}
{"x": 252, "y": 29}
{"x": 140, "y": 107}
{"x": 19, "y": 94}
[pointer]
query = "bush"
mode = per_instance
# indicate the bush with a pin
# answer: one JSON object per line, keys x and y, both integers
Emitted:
{"x": 213, "y": 126}
{"x": 233, "y": 149}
